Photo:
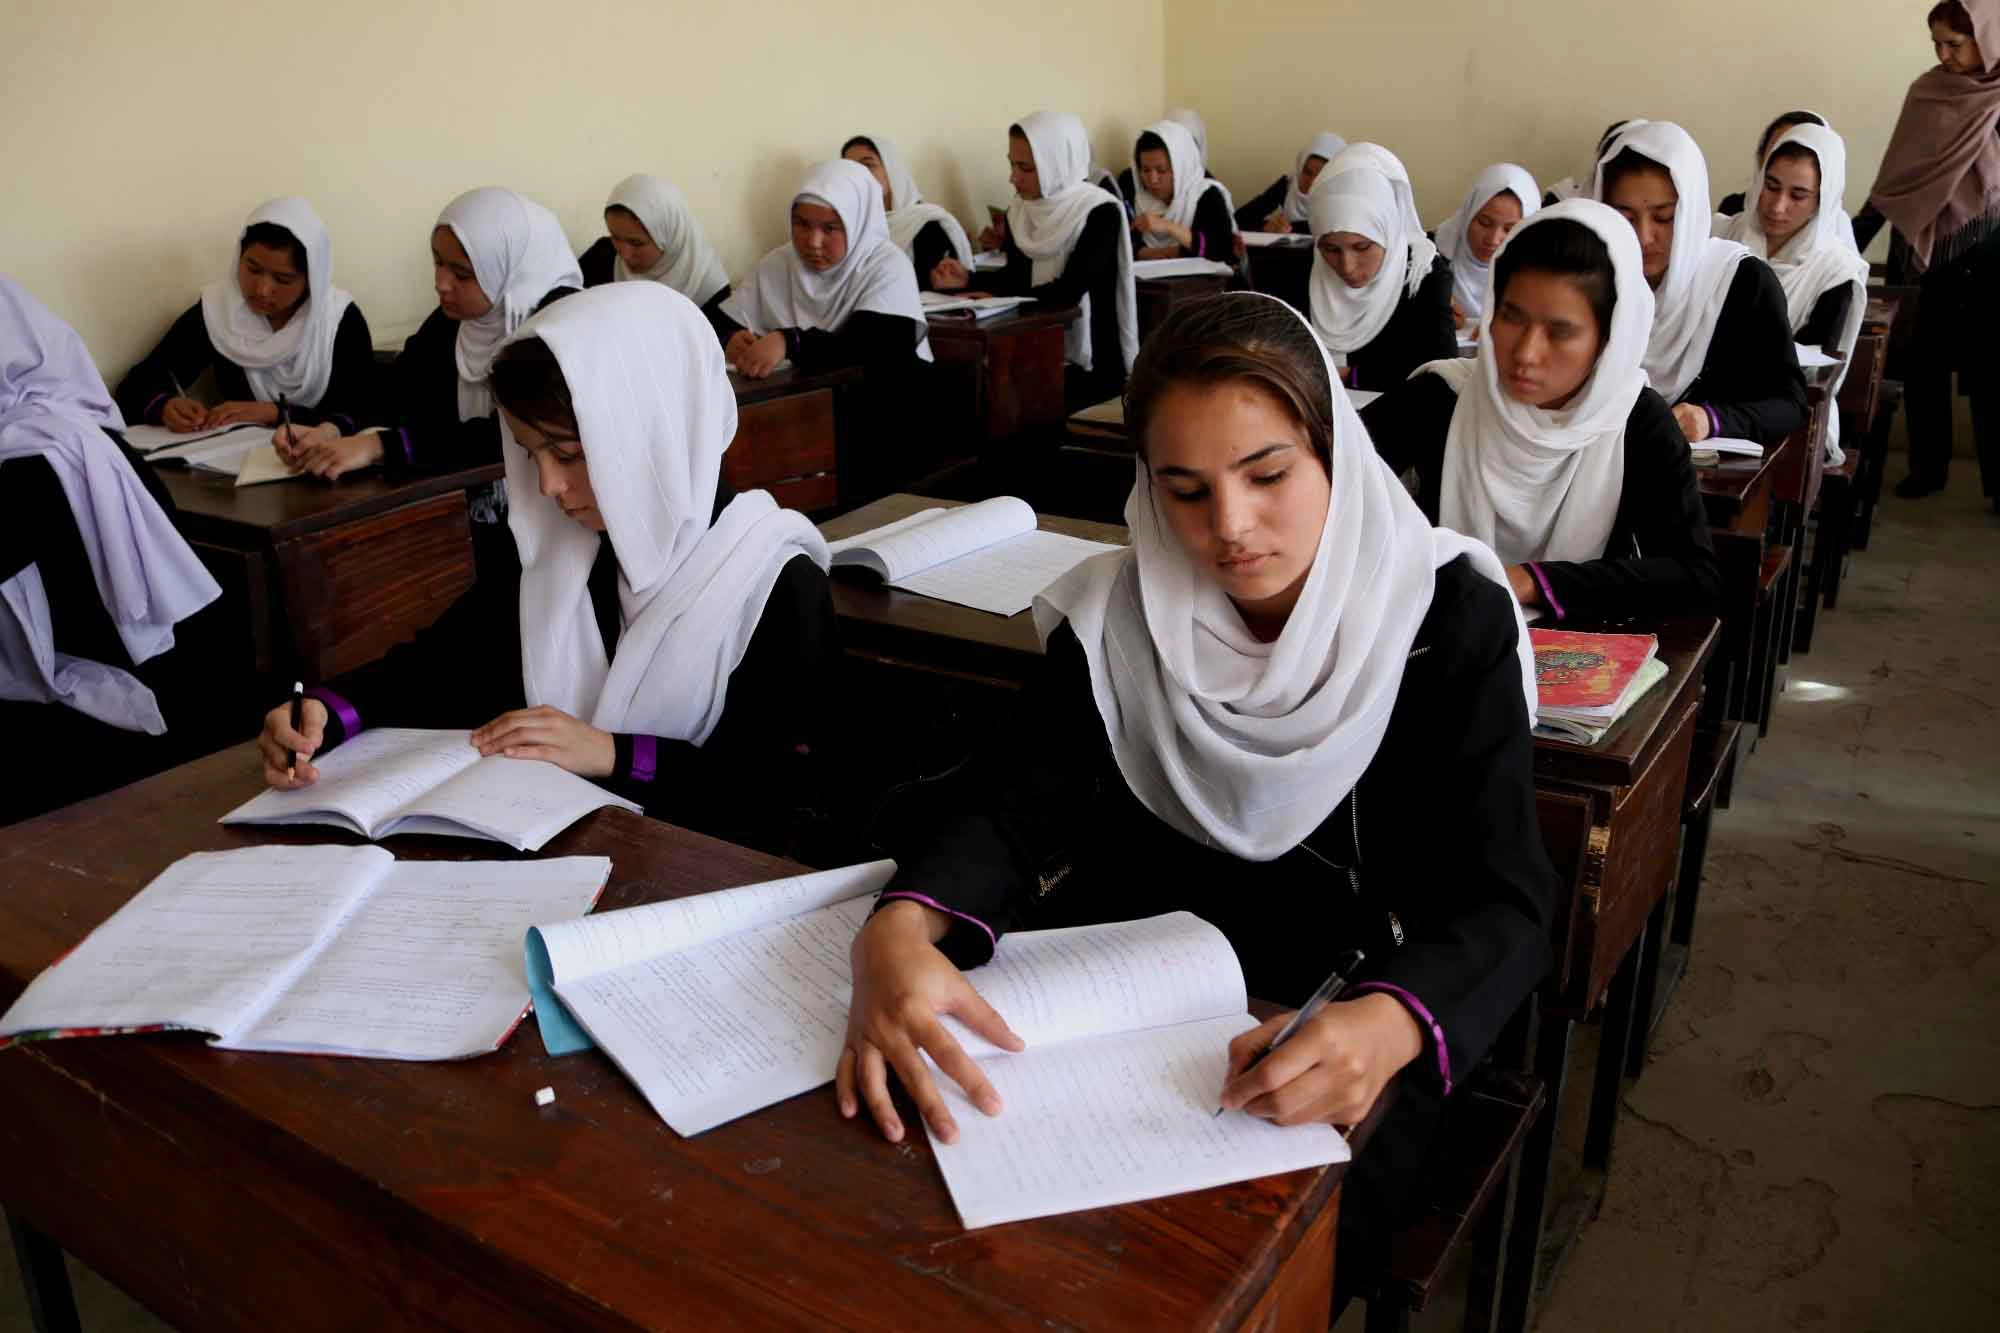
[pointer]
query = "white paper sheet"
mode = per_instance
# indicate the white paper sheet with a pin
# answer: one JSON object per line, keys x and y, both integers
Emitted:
{"x": 157, "y": 442}
{"x": 1004, "y": 579}
{"x": 1259, "y": 239}
{"x": 1178, "y": 268}
{"x": 261, "y": 464}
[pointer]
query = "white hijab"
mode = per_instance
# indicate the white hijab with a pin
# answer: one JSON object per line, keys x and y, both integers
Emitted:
{"x": 1325, "y": 144}
{"x": 1190, "y": 185}
{"x": 687, "y": 262}
{"x": 54, "y": 404}
{"x": 1469, "y": 277}
{"x": 913, "y": 212}
{"x": 1190, "y": 120}
{"x": 782, "y": 293}
{"x": 1545, "y": 485}
{"x": 1046, "y": 229}
{"x": 297, "y": 360}
{"x": 519, "y": 255}
{"x": 1579, "y": 186}
{"x": 1689, "y": 300}
{"x": 1365, "y": 190}
{"x": 655, "y": 411}
{"x": 1249, "y": 746}
{"x": 1819, "y": 257}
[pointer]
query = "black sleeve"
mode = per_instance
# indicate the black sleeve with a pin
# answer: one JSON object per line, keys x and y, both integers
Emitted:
{"x": 1253, "y": 215}
{"x": 932, "y": 243}
{"x": 1828, "y": 319}
{"x": 1421, "y": 330}
{"x": 868, "y": 338}
{"x": 422, "y": 394}
{"x": 1214, "y": 229}
{"x": 1867, "y": 223}
{"x": 599, "y": 262}
{"x": 1751, "y": 379}
{"x": 1478, "y": 935}
{"x": 1662, "y": 559}
{"x": 183, "y": 354}
{"x": 1408, "y": 425}
{"x": 1128, "y": 187}
{"x": 1094, "y": 258}
{"x": 1731, "y": 205}
{"x": 712, "y": 309}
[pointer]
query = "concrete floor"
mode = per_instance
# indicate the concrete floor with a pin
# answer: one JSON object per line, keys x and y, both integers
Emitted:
{"x": 1816, "y": 1142}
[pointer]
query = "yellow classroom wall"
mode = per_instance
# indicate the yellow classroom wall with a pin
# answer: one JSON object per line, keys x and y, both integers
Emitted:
{"x": 140, "y": 135}
{"x": 1453, "y": 85}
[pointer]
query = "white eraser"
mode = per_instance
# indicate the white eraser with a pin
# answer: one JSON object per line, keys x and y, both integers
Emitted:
{"x": 545, "y": 1097}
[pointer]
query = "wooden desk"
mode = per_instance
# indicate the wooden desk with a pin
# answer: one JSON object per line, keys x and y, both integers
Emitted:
{"x": 1005, "y": 373}
{"x": 235, "y": 1191}
{"x": 1158, "y": 297}
{"x": 788, "y": 436}
{"x": 333, "y": 573}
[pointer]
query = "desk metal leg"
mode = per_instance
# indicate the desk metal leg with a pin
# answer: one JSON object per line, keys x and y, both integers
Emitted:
{"x": 45, "y": 1278}
{"x": 1652, "y": 947}
{"x": 1522, "y": 1271}
{"x": 1616, "y": 1037}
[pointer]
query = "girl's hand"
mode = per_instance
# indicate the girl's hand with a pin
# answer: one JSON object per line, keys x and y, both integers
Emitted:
{"x": 551, "y": 734}
{"x": 1331, "y": 1070}
{"x": 1526, "y": 591}
{"x": 1278, "y": 223}
{"x": 242, "y": 414}
{"x": 183, "y": 415}
{"x": 1694, "y": 421}
{"x": 949, "y": 276}
{"x": 278, "y": 737}
{"x": 762, "y": 356}
{"x": 335, "y": 456}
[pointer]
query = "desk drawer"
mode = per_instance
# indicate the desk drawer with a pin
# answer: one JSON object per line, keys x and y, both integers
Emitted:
{"x": 783, "y": 440}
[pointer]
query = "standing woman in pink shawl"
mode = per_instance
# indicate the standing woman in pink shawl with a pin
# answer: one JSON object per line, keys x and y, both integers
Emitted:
{"x": 1940, "y": 189}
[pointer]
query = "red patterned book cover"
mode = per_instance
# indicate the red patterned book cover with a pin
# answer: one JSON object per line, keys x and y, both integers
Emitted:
{"x": 1575, "y": 670}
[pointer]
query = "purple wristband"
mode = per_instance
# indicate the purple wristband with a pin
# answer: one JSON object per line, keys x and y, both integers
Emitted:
{"x": 934, "y": 903}
{"x": 350, "y": 721}
{"x": 1548, "y": 593}
{"x": 1422, "y": 1015}
{"x": 1200, "y": 246}
{"x": 1714, "y": 421}
{"x": 645, "y": 758}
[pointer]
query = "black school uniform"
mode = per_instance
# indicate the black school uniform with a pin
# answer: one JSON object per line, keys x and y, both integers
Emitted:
{"x": 1750, "y": 381}
{"x": 1214, "y": 226}
{"x": 931, "y": 245}
{"x": 1421, "y": 330}
{"x": 186, "y": 353}
{"x": 1092, "y": 270}
{"x": 1253, "y": 215}
{"x": 755, "y": 779}
{"x": 599, "y": 265}
{"x": 1659, "y": 559}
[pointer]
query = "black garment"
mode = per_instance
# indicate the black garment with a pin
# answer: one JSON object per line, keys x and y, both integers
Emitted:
{"x": 1659, "y": 559}
{"x": 1828, "y": 319}
{"x": 1253, "y": 215}
{"x": 1092, "y": 270}
{"x": 753, "y": 781}
{"x": 1750, "y": 378}
{"x": 1421, "y": 330}
{"x": 1214, "y": 232}
{"x": 881, "y": 342}
{"x": 931, "y": 244}
{"x": 1731, "y": 205}
{"x": 599, "y": 267}
{"x": 352, "y": 393}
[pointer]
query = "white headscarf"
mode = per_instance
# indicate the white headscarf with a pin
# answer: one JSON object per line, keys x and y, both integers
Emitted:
{"x": 1325, "y": 144}
{"x": 1244, "y": 745}
{"x": 655, "y": 411}
{"x": 297, "y": 360}
{"x": 53, "y": 403}
{"x": 1190, "y": 120}
{"x": 913, "y": 212}
{"x": 782, "y": 293}
{"x": 519, "y": 255}
{"x": 1468, "y": 276}
{"x": 1184, "y": 160}
{"x": 1579, "y": 186}
{"x": 687, "y": 262}
{"x": 1545, "y": 485}
{"x": 1046, "y": 229}
{"x": 1819, "y": 257}
{"x": 1689, "y": 300}
{"x": 1365, "y": 190}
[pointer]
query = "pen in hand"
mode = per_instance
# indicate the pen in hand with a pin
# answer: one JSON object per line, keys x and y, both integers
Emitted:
{"x": 298, "y": 721}
{"x": 285, "y": 423}
{"x": 1344, "y": 967}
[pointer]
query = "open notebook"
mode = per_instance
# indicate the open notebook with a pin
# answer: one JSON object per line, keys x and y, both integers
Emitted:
{"x": 978, "y": 307}
{"x": 989, "y": 555}
{"x": 314, "y": 950}
{"x": 405, "y": 780}
{"x": 1179, "y": 268}
{"x": 1260, "y": 239}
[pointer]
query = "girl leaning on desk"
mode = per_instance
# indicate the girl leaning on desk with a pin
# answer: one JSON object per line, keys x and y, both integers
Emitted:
{"x": 1267, "y": 710}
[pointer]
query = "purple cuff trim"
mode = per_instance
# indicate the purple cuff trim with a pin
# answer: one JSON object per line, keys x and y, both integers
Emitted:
{"x": 932, "y": 902}
{"x": 1548, "y": 593}
{"x": 1422, "y": 1015}
{"x": 350, "y": 721}
{"x": 1200, "y": 246}
{"x": 403, "y": 438}
{"x": 645, "y": 758}
{"x": 153, "y": 407}
{"x": 1714, "y": 421}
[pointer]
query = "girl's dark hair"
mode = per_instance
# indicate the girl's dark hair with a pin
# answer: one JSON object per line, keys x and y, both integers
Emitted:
{"x": 277, "y": 238}
{"x": 1567, "y": 249}
{"x": 527, "y": 380}
{"x": 1016, "y": 132}
{"x": 1236, "y": 336}
{"x": 860, "y": 141}
{"x": 1150, "y": 142}
{"x": 1789, "y": 118}
{"x": 1791, "y": 152}
{"x": 1610, "y": 133}
{"x": 1953, "y": 15}
{"x": 1628, "y": 163}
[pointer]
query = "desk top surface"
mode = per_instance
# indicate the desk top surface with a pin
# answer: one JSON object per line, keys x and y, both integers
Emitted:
{"x": 211, "y": 503}
{"x": 788, "y": 381}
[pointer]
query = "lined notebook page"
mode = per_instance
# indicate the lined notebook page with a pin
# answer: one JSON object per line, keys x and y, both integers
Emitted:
{"x": 933, "y": 537}
{"x": 428, "y": 966}
{"x": 1004, "y": 579}
{"x": 1114, "y": 1120}
{"x": 157, "y": 442}
{"x": 368, "y": 779}
{"x": 521, "y": 802}
{"x": 262, "y": 464}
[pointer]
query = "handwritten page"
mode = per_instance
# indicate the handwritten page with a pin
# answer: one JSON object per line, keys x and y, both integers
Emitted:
{"x": 206, "y": 944}
{"x": 521, "y": 802}
{"x": 1004, "y": 579}
{"x": 262, "y": 464}
{"x": 157, "y": 442}
{"x": 1113, "y": 1120}
{"x": 1178, "y": 268}
{"x": 428, "y": 966}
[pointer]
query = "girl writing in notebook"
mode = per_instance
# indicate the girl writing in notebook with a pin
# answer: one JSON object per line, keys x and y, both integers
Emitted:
{"x": 1721, "y": 350}
{"x": 276, "y": 326}
{"x": 1177, "y": 211}
{"x": 1501, "y": 196}
{"x": 1549, "y": 447}
{"x": 924, "y": 231}
{"x": 1262, "y": 712}
{"x": 655, "y": 237}
{"x": 1282, "y": 207}
{"x": 665, "y": 637}
{"x": 1380, "y": 292}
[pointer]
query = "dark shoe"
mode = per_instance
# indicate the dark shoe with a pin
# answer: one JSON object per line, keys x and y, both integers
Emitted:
{"x": 1914, "y": 487}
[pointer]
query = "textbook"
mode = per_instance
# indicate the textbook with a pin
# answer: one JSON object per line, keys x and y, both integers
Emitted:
{"x": 724, "y": 1003}
{"x": 1585, "y": 682}
{"x": 1709, "y": 452}
{"x": 314, "y": 950}
{"x": 990, "y": 556}
{"x": 406, "y": 780}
